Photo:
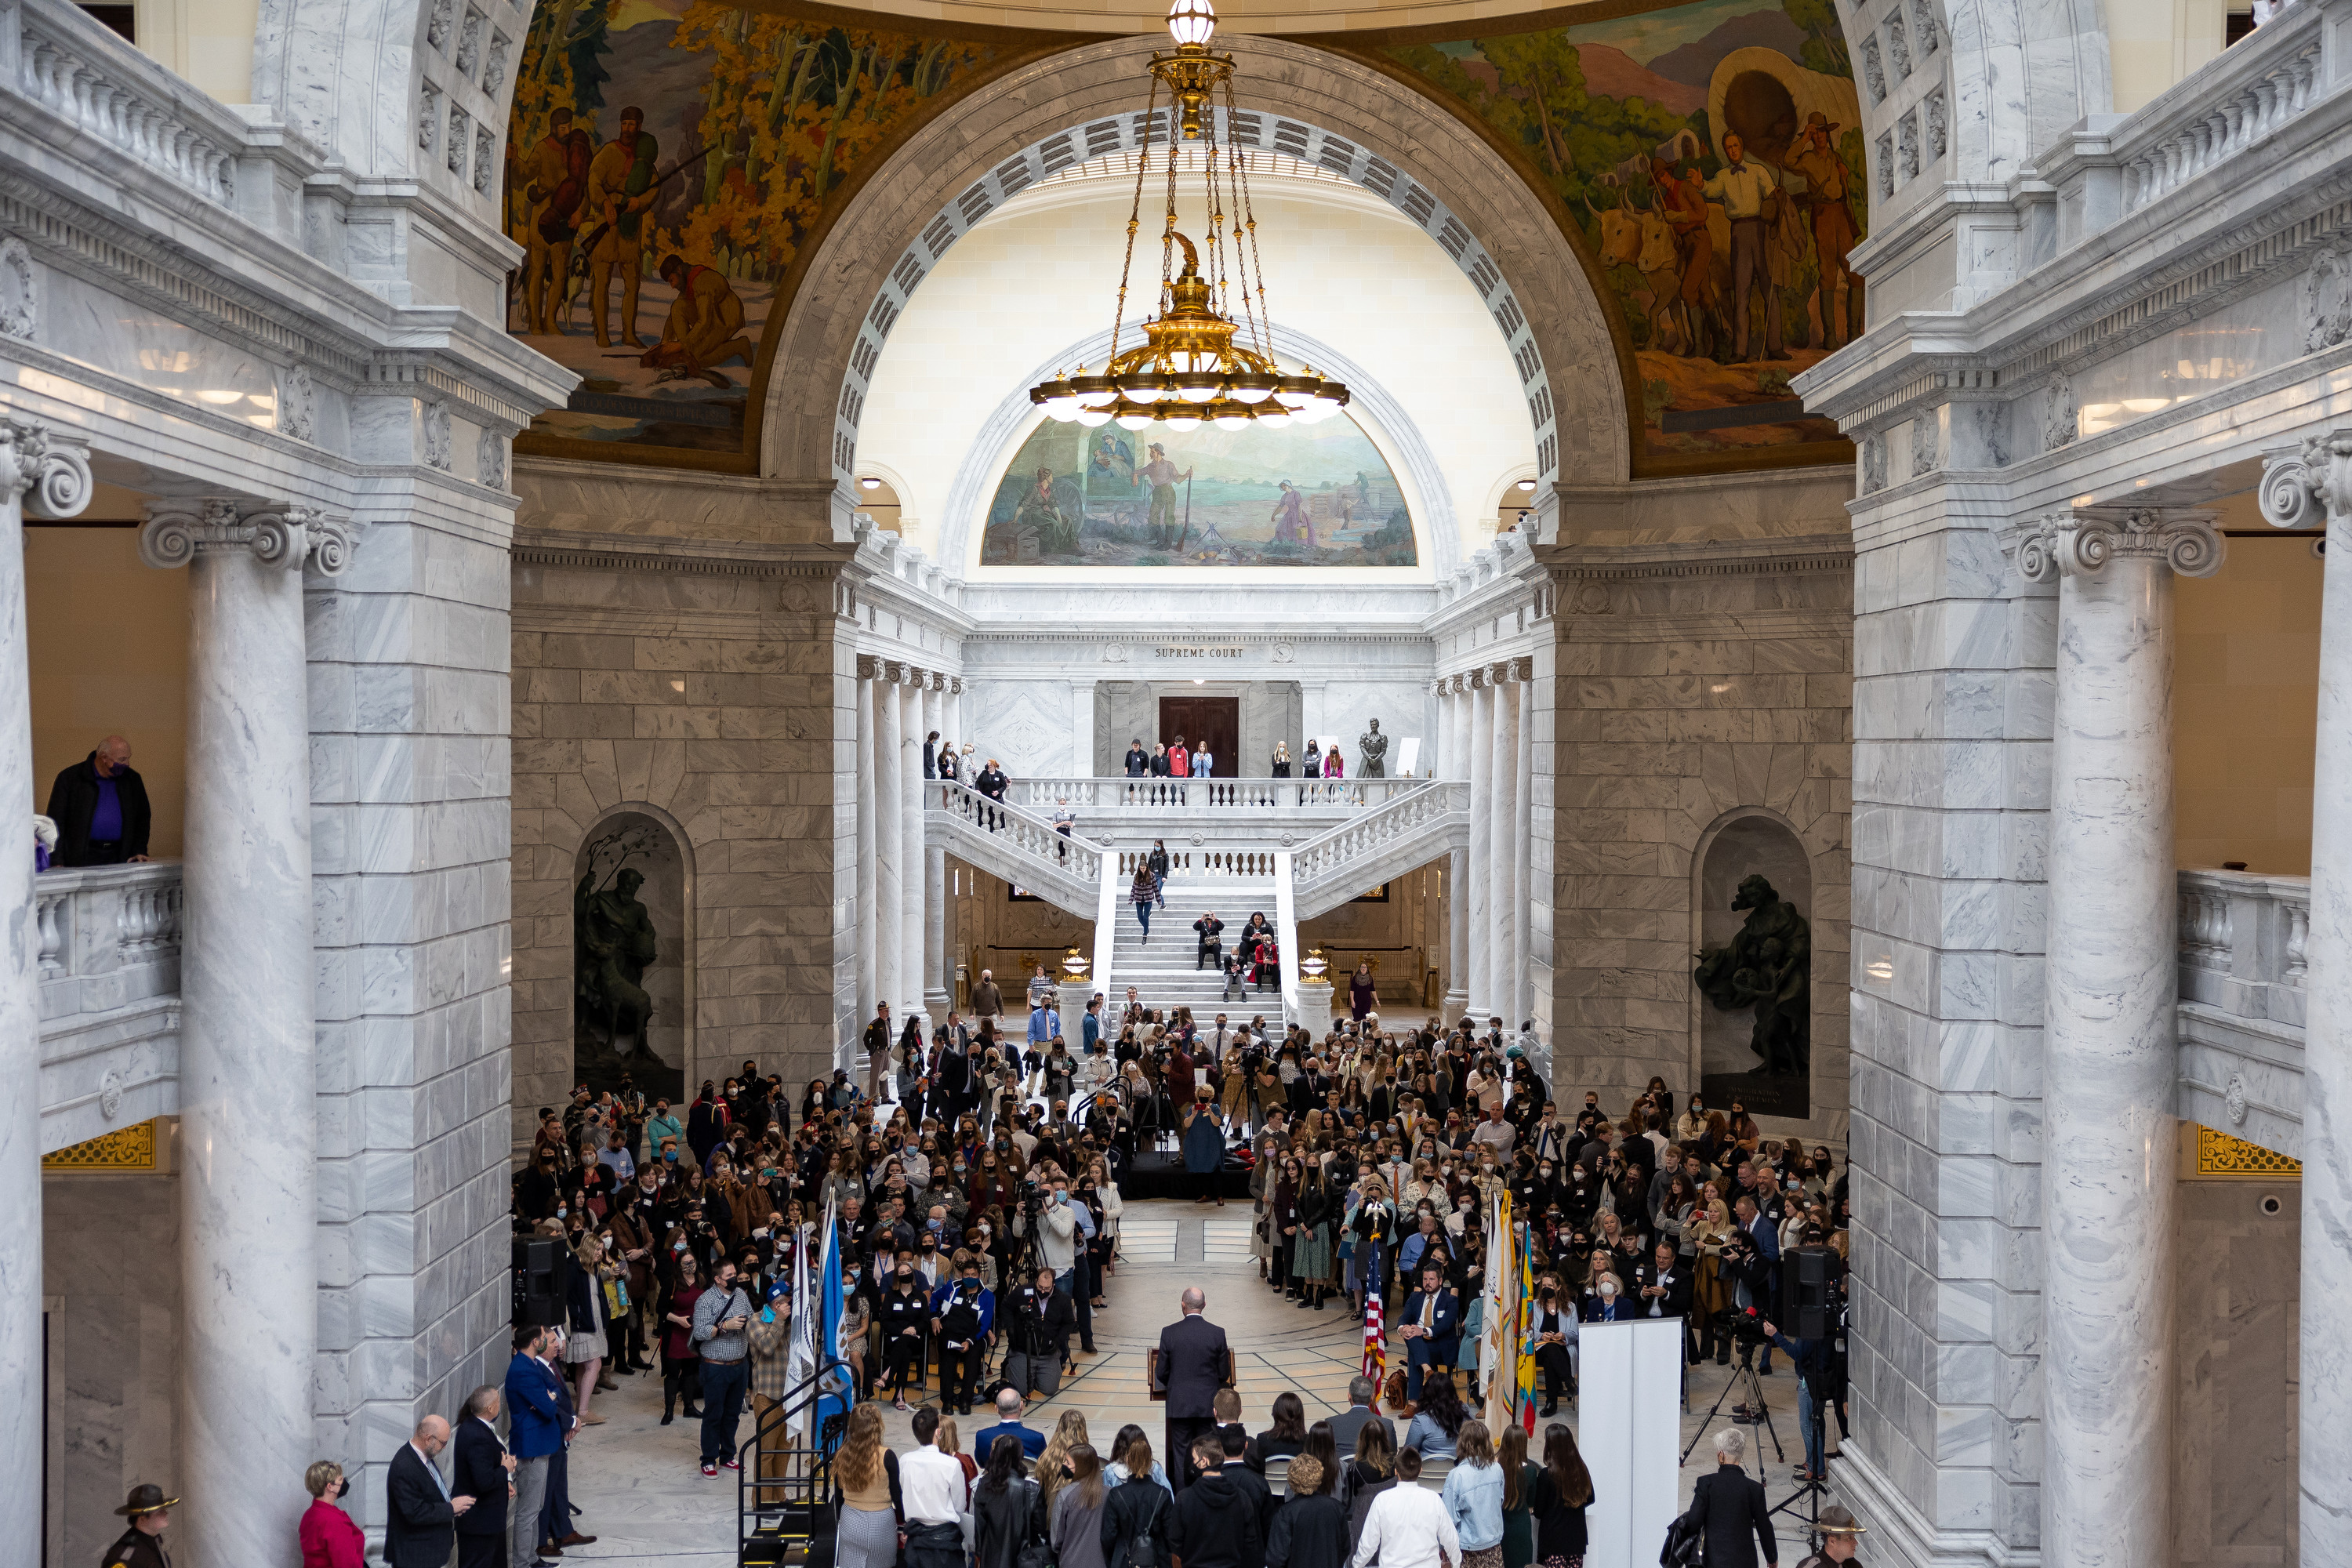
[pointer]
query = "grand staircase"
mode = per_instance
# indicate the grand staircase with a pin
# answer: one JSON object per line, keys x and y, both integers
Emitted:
{"x": 1291, "y": 848}
{"x": 1162, "y": 969}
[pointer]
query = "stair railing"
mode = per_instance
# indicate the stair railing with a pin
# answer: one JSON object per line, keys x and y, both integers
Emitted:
{"x": 806, "y": 1484}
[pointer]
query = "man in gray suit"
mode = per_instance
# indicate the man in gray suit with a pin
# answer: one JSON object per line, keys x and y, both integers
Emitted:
{"x": 1359, "y": 1414}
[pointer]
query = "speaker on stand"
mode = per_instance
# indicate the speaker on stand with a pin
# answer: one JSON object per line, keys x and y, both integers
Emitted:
{"x": 542, "y": 1273}
{"x": 1808, "y": 1301}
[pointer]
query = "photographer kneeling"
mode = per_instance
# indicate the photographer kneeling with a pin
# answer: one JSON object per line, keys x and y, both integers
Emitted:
{"x": 1038, "y": 1323}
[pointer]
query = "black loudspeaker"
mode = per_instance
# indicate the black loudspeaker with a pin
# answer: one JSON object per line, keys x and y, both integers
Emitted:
{"x": 542, "y": 1268}
{"x": 1808, "y": 1304}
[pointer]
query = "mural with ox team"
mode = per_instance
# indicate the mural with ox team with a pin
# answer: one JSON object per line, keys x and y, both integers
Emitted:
{"x": 1712, "y": 156}
{"x": 671, "y": 162}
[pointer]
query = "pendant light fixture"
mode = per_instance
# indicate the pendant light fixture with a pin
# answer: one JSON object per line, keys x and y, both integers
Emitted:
{"x": 1190, "y": 370}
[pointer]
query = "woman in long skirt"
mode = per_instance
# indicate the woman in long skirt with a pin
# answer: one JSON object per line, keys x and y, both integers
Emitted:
{"x": 1204, "y": 1147}
{"x": 1310, "y": 1256}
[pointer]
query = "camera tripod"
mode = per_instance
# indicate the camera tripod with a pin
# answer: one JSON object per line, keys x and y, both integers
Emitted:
{"x": 1808, "y": 1496}
{"x": 1743, "y": 1378}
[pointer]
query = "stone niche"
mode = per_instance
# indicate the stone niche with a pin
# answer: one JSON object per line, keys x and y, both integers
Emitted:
{"x": 1749, "y": 844}
{"x": 621, "y": 842}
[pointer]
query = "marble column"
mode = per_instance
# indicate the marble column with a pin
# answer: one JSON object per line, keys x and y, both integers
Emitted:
{"x": 1480, "y": 886}
{"x": 868, "y": 907}
{"x": 248, "y": 1129}
{"x": 938, "y": 981}
{"x": 1503, "y": 925}
{"x": 2109, "y": 1048}
{"x": 47, "y": 476}
{"x": 1082, "y": 728}
{"x": 1523, "y": 865}
{"x": 915, "y": 878}
{"x": 890, "y": 834}
{"x": 2301, "y": 489}
{"x": 1450, "y": 750}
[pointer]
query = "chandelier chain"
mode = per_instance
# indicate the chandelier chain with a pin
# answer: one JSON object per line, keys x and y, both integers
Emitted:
{"x": 1134, "y": 212}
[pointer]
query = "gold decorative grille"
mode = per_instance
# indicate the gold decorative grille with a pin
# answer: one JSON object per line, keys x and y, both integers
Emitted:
{"x": 2219, "y": 1154}
{"x": 125, "y": 1148}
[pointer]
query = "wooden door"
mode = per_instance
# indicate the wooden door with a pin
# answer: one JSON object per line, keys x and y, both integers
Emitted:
{"x": 1216, "y": 719}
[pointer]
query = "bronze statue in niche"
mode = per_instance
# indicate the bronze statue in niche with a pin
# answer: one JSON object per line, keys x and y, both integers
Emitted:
{"x": 1768, "y": 964}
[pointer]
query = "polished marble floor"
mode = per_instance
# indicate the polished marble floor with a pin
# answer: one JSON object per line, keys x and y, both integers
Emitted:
{"x": 642, "y": 1495}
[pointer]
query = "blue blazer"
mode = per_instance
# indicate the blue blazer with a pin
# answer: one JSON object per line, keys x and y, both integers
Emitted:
{"x": 534, "y": 1408}
{"x": 1445, "y": 1339}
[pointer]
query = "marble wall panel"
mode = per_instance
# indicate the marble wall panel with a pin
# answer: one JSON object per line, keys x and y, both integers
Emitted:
{"x": 2237, "y": 1306}
{"x": 1671, "y": 700}
{"x": 114, "y": 1345}
{"x": 715, "y": 698}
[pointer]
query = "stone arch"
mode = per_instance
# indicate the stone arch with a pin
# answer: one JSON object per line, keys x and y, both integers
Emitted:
{"x": 1743, "y": 841}
{"x": 976, "y": 476}
{"x": 1086, "y": 102}
{"x": 641, "y": 836}
{"x": 1506, "y": 486}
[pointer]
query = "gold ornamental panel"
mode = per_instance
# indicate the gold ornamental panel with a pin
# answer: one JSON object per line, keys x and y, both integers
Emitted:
{"x": 125, "y": 1148}
{"x": 2219, "y": 1155}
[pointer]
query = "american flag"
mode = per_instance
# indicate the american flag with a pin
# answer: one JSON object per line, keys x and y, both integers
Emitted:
{"x": 1376, "y": 1340}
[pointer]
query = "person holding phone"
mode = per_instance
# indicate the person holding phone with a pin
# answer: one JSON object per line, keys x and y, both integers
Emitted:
{"x": 720, "y": 1318}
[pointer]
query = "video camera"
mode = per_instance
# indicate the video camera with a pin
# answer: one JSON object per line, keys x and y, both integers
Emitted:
{"x": 1743, "y": 1325}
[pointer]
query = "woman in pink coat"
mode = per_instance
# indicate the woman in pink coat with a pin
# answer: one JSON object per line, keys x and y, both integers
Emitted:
{"x": 330, "y": 1538}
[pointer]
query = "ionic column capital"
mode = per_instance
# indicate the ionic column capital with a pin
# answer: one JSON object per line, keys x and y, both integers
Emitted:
{"x": 51, "y": 471}
{"x": 2307, "y": 485}
{"x": 177, "y": 532}
{"x": 868, "y": 667}
{"x": 2080, "y": 544}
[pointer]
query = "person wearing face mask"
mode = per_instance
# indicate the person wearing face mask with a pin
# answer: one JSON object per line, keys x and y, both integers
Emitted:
{"x": 1553, "y": 1325}
{"x": 1605, "y": 1301}
{"x": 906, "y": 1317}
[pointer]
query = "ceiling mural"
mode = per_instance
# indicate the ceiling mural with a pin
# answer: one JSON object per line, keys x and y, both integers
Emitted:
{"x": 670, "y": 165}
{"x": 673, "y": 167}
{"x": 1710, "y": 159}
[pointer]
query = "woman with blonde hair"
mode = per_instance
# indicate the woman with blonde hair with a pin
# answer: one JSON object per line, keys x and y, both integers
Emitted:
{"x": 948, "y": 1442}
{"x": 584, "y": 1306}
{"x": 1473, "y": 1497}
{"x": 1711, "y": 1287}
{"x": 328, "y": 1538}
{"x": 1053, "y": 1465}
{"x": 866, "y": 1486}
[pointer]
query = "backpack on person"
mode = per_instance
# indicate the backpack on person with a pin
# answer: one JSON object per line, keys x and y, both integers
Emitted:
{"x": 1139, "y": 1552}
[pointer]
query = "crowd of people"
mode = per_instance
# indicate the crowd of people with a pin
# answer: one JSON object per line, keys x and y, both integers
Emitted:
{"x": 973, "y": 1182}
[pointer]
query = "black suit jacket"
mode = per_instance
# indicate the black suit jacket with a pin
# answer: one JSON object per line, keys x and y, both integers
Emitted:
{"x": 479, "y": 1472}
{"x": 73, "y": 800}
{"x": 1676, "y": 1303}
{"x": 1350, "y": 1424}
{"x": 1193, "y": 1357}
{"x": 419, "y": 1525}
{"x": 1730, "y": 1505}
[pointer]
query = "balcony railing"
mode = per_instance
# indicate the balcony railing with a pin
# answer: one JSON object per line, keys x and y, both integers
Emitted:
{"x": 109, "y": 936}
{"x": 1210, "y": 794}
{"x": 2242, "y": 940}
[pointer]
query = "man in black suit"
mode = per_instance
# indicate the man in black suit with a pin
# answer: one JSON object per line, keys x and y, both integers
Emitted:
{"x": 1664, "y": 1291}
{"x": 420, "y": 1514}
{"x": 483, "y": 1470}
{"x": 1730, "y": 1508}
{"x": 1360, "y": 1412}
{"x": 1192, "y": 1363}
{"x": 101, "y": 808}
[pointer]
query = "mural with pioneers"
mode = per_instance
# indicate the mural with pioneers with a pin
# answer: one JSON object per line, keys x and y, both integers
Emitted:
{"x": 1318, "y": 495}
{"x": 1712, "y": 156}
{"x": 666, "y": 163}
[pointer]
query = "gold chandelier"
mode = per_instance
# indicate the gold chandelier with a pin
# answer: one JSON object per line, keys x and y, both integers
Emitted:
{"x": 1188, "y": 369}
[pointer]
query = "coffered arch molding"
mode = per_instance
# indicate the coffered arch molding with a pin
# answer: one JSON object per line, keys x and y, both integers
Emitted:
{"x": 1331, "y": 110}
